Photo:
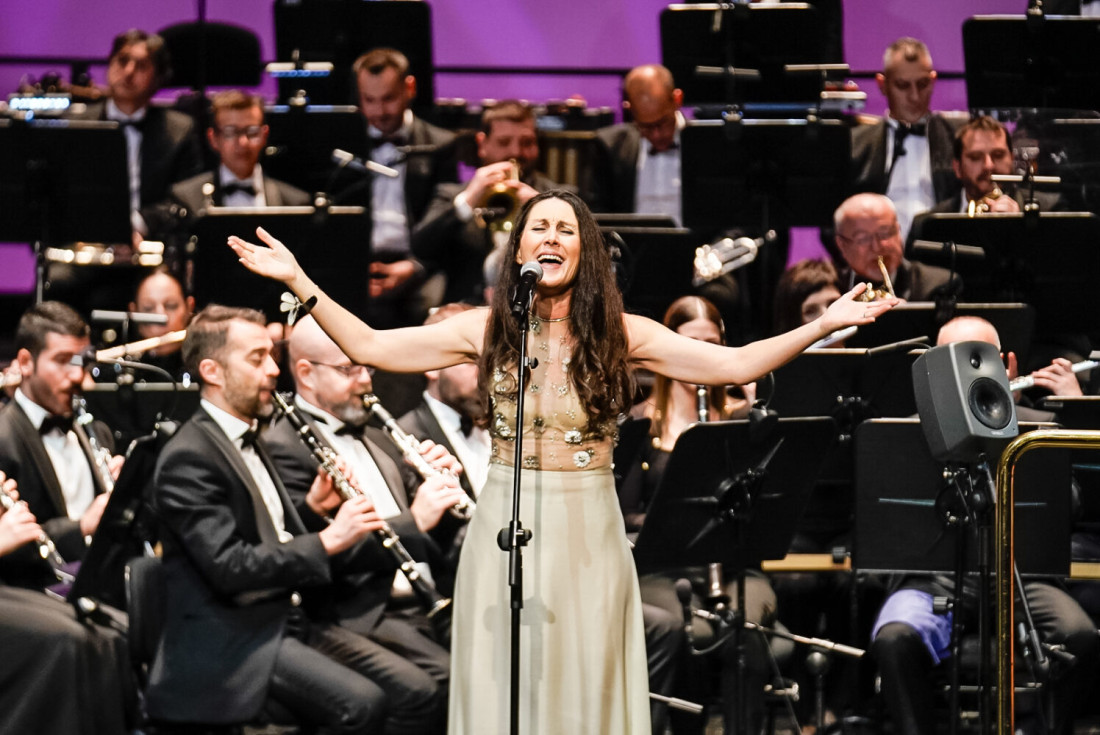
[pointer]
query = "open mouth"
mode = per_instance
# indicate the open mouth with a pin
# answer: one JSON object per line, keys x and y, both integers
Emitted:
{"x": 550, "y": 259}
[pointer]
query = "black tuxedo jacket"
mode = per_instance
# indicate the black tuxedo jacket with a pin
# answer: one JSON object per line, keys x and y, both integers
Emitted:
{"x": 615, "y": 173}
{"x": 358, "y": 600}
{"x": 188, "y": 194}
{"x": 170, "y": 149}
{"x": 869, "y": 155}
{"x": 229, "y": 580}
{"x": 23, "y": 458}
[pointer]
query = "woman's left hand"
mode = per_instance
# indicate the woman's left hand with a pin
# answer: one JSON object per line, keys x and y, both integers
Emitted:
{"x": 846, "y": 311}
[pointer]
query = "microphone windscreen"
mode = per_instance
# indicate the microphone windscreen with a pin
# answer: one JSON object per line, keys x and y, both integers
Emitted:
{"x": 531, "y": 268}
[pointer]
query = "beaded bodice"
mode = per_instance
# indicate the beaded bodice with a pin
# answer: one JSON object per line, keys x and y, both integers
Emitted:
{"x": 556, "y": 435}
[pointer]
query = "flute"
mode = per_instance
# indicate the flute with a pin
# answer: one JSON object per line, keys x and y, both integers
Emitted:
{"x": 463, "y": 509}
{"x": 1026, "y": 381}
{"x": 437, "y": 607}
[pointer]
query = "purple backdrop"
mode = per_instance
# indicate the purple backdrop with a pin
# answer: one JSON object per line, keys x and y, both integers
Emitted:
{"x": 578, "y": 34}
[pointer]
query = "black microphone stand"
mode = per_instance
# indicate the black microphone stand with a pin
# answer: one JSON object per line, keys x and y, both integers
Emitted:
{"x": 514, "y": 537}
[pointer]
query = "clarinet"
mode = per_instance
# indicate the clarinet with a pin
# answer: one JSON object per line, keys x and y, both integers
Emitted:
{"x": 100, "y": 455}
{"x": 437, "y": 606}
{"x": 407, "y": 444}
{"x": 46, "y": 548}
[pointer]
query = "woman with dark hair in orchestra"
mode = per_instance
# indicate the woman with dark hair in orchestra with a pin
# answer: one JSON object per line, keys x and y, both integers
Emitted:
{"x": 582, "y": 648}
{"x": 803, "y": 293}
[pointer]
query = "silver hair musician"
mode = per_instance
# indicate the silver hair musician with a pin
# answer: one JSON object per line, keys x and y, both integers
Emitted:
{"x": 409, "y": 447}
{"x": 437, "y": 607}
{"x": 99, "y": 454}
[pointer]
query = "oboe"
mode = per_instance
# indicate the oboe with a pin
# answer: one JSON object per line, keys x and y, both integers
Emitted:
{"x": 100, "y": 455}
{"x": 46, "y": 548}
{"x": 437, "y": 606}
{"x": 408, "y": 445}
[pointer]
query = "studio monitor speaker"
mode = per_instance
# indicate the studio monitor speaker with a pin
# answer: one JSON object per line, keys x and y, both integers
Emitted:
{"x": 964, "y": 402}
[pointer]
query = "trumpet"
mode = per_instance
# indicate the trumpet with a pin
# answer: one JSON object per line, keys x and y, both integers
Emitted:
{"x": 502, "y": 202}
{"x": 887, "y": 290}
{"x": 464, "y": 509}
{"x": 437, "y": 607}
{"x": 983, "y": 205}
{"x": 99, "y": 454}
{"x": 46, "y": 548}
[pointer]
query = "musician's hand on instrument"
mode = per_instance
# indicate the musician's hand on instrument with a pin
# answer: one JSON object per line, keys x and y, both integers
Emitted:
{"x": 89, "y": 522}
{"x": 525, "y": 192}
{"x": 439, "y": 458}
{"x": 18, "y": 526}
{"x": 845, "y": 311}
{"x": 356, "y": 519}
{"x": 485, "y": 178}
{"x": 114, "y": 465}
{"x": 323, "y": 498}
{"x": 1058, "y": 378}
{"x": 434, "y": 497}
{"x": 1003, "y": 204}
{"x": 275, "y": 261}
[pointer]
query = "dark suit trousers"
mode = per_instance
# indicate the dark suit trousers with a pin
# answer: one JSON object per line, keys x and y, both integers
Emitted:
{"x": 348, "y": 684}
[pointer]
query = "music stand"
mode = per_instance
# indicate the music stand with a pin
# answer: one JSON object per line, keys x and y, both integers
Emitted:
{"x": 899, "y": 529}
{"x": 761, "y": 38}
{"x": 1047, "y": 260}
{"x": 1054, "y": 62}
{"x": 301, "y": 141}
{"x": 62, "y": 181}
{"x": 125, "y": 529}
{"x": 763, "y": 173}
{"x": 331, "y": 245}
{"x": 339, "y": 31}
{"x": 133, "y": 410}
{"x": 1015, "y": 324}
{"x": 661, "y": 266}
{"x": 680, "y": 528}
{"x": 615, "y": 220}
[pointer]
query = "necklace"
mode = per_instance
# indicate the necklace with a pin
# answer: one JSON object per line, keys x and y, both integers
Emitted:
{"x": 552, "y": 321}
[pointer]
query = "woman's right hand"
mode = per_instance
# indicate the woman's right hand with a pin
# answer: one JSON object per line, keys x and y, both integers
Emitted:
{"x": 275, "y": 261}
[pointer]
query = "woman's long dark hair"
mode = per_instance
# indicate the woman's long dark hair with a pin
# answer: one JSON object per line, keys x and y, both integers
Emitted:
{"x": 601, "y": 370}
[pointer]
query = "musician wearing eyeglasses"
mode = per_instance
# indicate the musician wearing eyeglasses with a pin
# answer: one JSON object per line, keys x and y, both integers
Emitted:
{"x": 869, "y": 239}
{"x": 379, "y": 605}
{"x": 907, "y": 154}
{"x": 61, "y": 481}
{"x": 238, "y": 136}
{"x": 251, "y": 608}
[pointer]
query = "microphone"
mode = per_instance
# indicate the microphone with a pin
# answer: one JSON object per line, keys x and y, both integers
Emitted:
{"x": 683, "y": 594}
{"x": 529, "y": 275}
{"x": 346, "y": 160}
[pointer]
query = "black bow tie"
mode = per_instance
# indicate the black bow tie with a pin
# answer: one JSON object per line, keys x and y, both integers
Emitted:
{"x": 138, "y": 125}
{"x": 906, "y": 129}
{"x": 466, "y": 424}
{"x": 671, "y": 149}
{"x": 235, "y": 186}
{"x": 53, "y": 421}
{"x": 250, "y": 437}
{"x": 352, "y": 430}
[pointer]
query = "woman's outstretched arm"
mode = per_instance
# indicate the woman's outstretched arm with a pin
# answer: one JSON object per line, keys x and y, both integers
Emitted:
{"x": 663, "y": 351}
{"x": 411, "y": 349}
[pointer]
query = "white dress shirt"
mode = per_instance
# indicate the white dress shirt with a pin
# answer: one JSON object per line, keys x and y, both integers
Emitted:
{"x": 658, "y": 183}
{"x": 133, "y": 159}
{"x": 390, "y": 222}
{"x": 243, "y": 198}
{"x": 70, "y": 464}
{"x": 235, "y": 429}
{"x": 910, "y": 185}
{"x": 473, "y": 451}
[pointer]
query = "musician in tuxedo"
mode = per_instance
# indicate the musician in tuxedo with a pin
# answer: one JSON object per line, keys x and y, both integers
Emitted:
{"x": 866, "y": 229}
{"x": 329, "y": 398}
{"x": 399, "y": 285}
{"x": 42, "y": 450}
{"x": 454, "y": 236}
{"x": 249, "y": 611}
{"x": 910, "y": 637}
{"x": 907, "y": 154}
{"x": 638, "y": 163}
{"x": 161, "y": 293}
{"x": 451, "y": 413}
{"x": 162, "y": 145}
{"x": 58, "y": 674}
{"x": 238, "y": 136}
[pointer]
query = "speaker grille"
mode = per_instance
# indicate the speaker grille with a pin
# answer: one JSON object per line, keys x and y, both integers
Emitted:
{"x": 990, "y": 403}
